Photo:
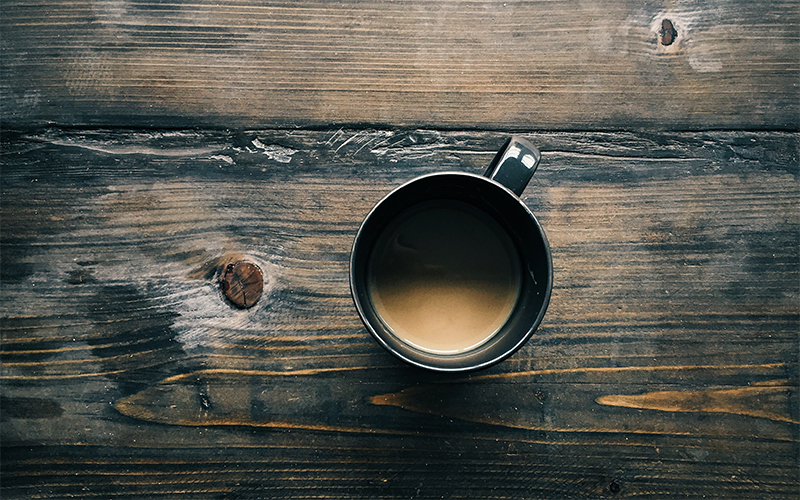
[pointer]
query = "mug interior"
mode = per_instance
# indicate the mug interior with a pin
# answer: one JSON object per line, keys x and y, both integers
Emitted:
{"x": 511, "y": 215}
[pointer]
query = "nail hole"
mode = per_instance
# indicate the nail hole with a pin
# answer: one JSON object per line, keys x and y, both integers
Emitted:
{"x": 614, "y": 487}
{"x": 205, "y": 401}
{"x": 668, "y": 32}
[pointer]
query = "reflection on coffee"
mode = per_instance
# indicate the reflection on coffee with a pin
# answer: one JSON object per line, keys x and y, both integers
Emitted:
{"x": 444, "y": 277}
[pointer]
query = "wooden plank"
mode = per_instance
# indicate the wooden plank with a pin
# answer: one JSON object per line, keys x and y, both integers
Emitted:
{"x": 478, "y": 64}
{"x": 666, "y": 365}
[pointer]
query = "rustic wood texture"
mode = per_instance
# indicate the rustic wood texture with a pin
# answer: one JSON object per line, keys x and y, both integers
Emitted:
{"x": 525, "y": 65}
{"x": 666, "y": 366}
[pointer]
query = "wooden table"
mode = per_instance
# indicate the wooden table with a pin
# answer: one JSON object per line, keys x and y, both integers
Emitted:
{"x": 147, "y": 145}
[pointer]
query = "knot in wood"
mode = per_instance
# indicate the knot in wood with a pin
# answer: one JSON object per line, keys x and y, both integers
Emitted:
{"x": 668, "y": 32}
{"x": 242, "y": 283}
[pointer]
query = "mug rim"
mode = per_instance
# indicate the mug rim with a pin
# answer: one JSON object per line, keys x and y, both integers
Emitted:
{"x": 469, "y": 367}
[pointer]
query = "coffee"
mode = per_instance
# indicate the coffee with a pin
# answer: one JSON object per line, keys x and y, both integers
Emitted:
{"x": 444, "y": 277}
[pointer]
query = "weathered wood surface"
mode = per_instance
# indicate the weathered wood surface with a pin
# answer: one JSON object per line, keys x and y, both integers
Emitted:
{"x": 667, "y": 364}
{"x": 567, "y": 65}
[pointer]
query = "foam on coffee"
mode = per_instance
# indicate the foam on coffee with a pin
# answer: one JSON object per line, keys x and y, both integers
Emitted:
{"x": 444, "y": 277}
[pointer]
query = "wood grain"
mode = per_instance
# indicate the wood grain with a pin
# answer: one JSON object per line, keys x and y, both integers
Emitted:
{"x": 293, "y": 400}
{"x": 666, "y": 366}
{"x": 566, "y": 64}
{"x": 770, "y": 401}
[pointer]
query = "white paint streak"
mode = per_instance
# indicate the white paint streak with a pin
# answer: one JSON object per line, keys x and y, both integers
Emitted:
{"x": 222, "y": 158}
{"x": 114, "y": 149}
{"x": 705, "y": 64}
{"x": 280, "y": 154}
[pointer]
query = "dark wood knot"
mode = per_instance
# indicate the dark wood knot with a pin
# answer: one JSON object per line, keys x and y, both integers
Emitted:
{"x": 668, "y": 32}
{"x": 242, "y": 283}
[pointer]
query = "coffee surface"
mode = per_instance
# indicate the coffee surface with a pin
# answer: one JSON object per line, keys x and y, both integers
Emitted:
{"x": 444, "y": 277}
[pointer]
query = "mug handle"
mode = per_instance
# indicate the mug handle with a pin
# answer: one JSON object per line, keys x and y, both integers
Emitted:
{"x": 514, "y": 164}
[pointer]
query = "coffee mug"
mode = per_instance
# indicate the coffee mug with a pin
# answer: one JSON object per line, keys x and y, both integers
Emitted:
{"x": 451, "y": 271}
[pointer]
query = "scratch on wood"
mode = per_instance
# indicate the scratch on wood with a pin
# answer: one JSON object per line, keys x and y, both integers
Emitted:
{"x": 347, "y": 141}
{"x": 333, "y": 137}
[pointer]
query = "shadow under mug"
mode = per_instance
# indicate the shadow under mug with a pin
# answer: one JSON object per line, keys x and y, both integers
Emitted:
{"x": 495, "y": 195}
